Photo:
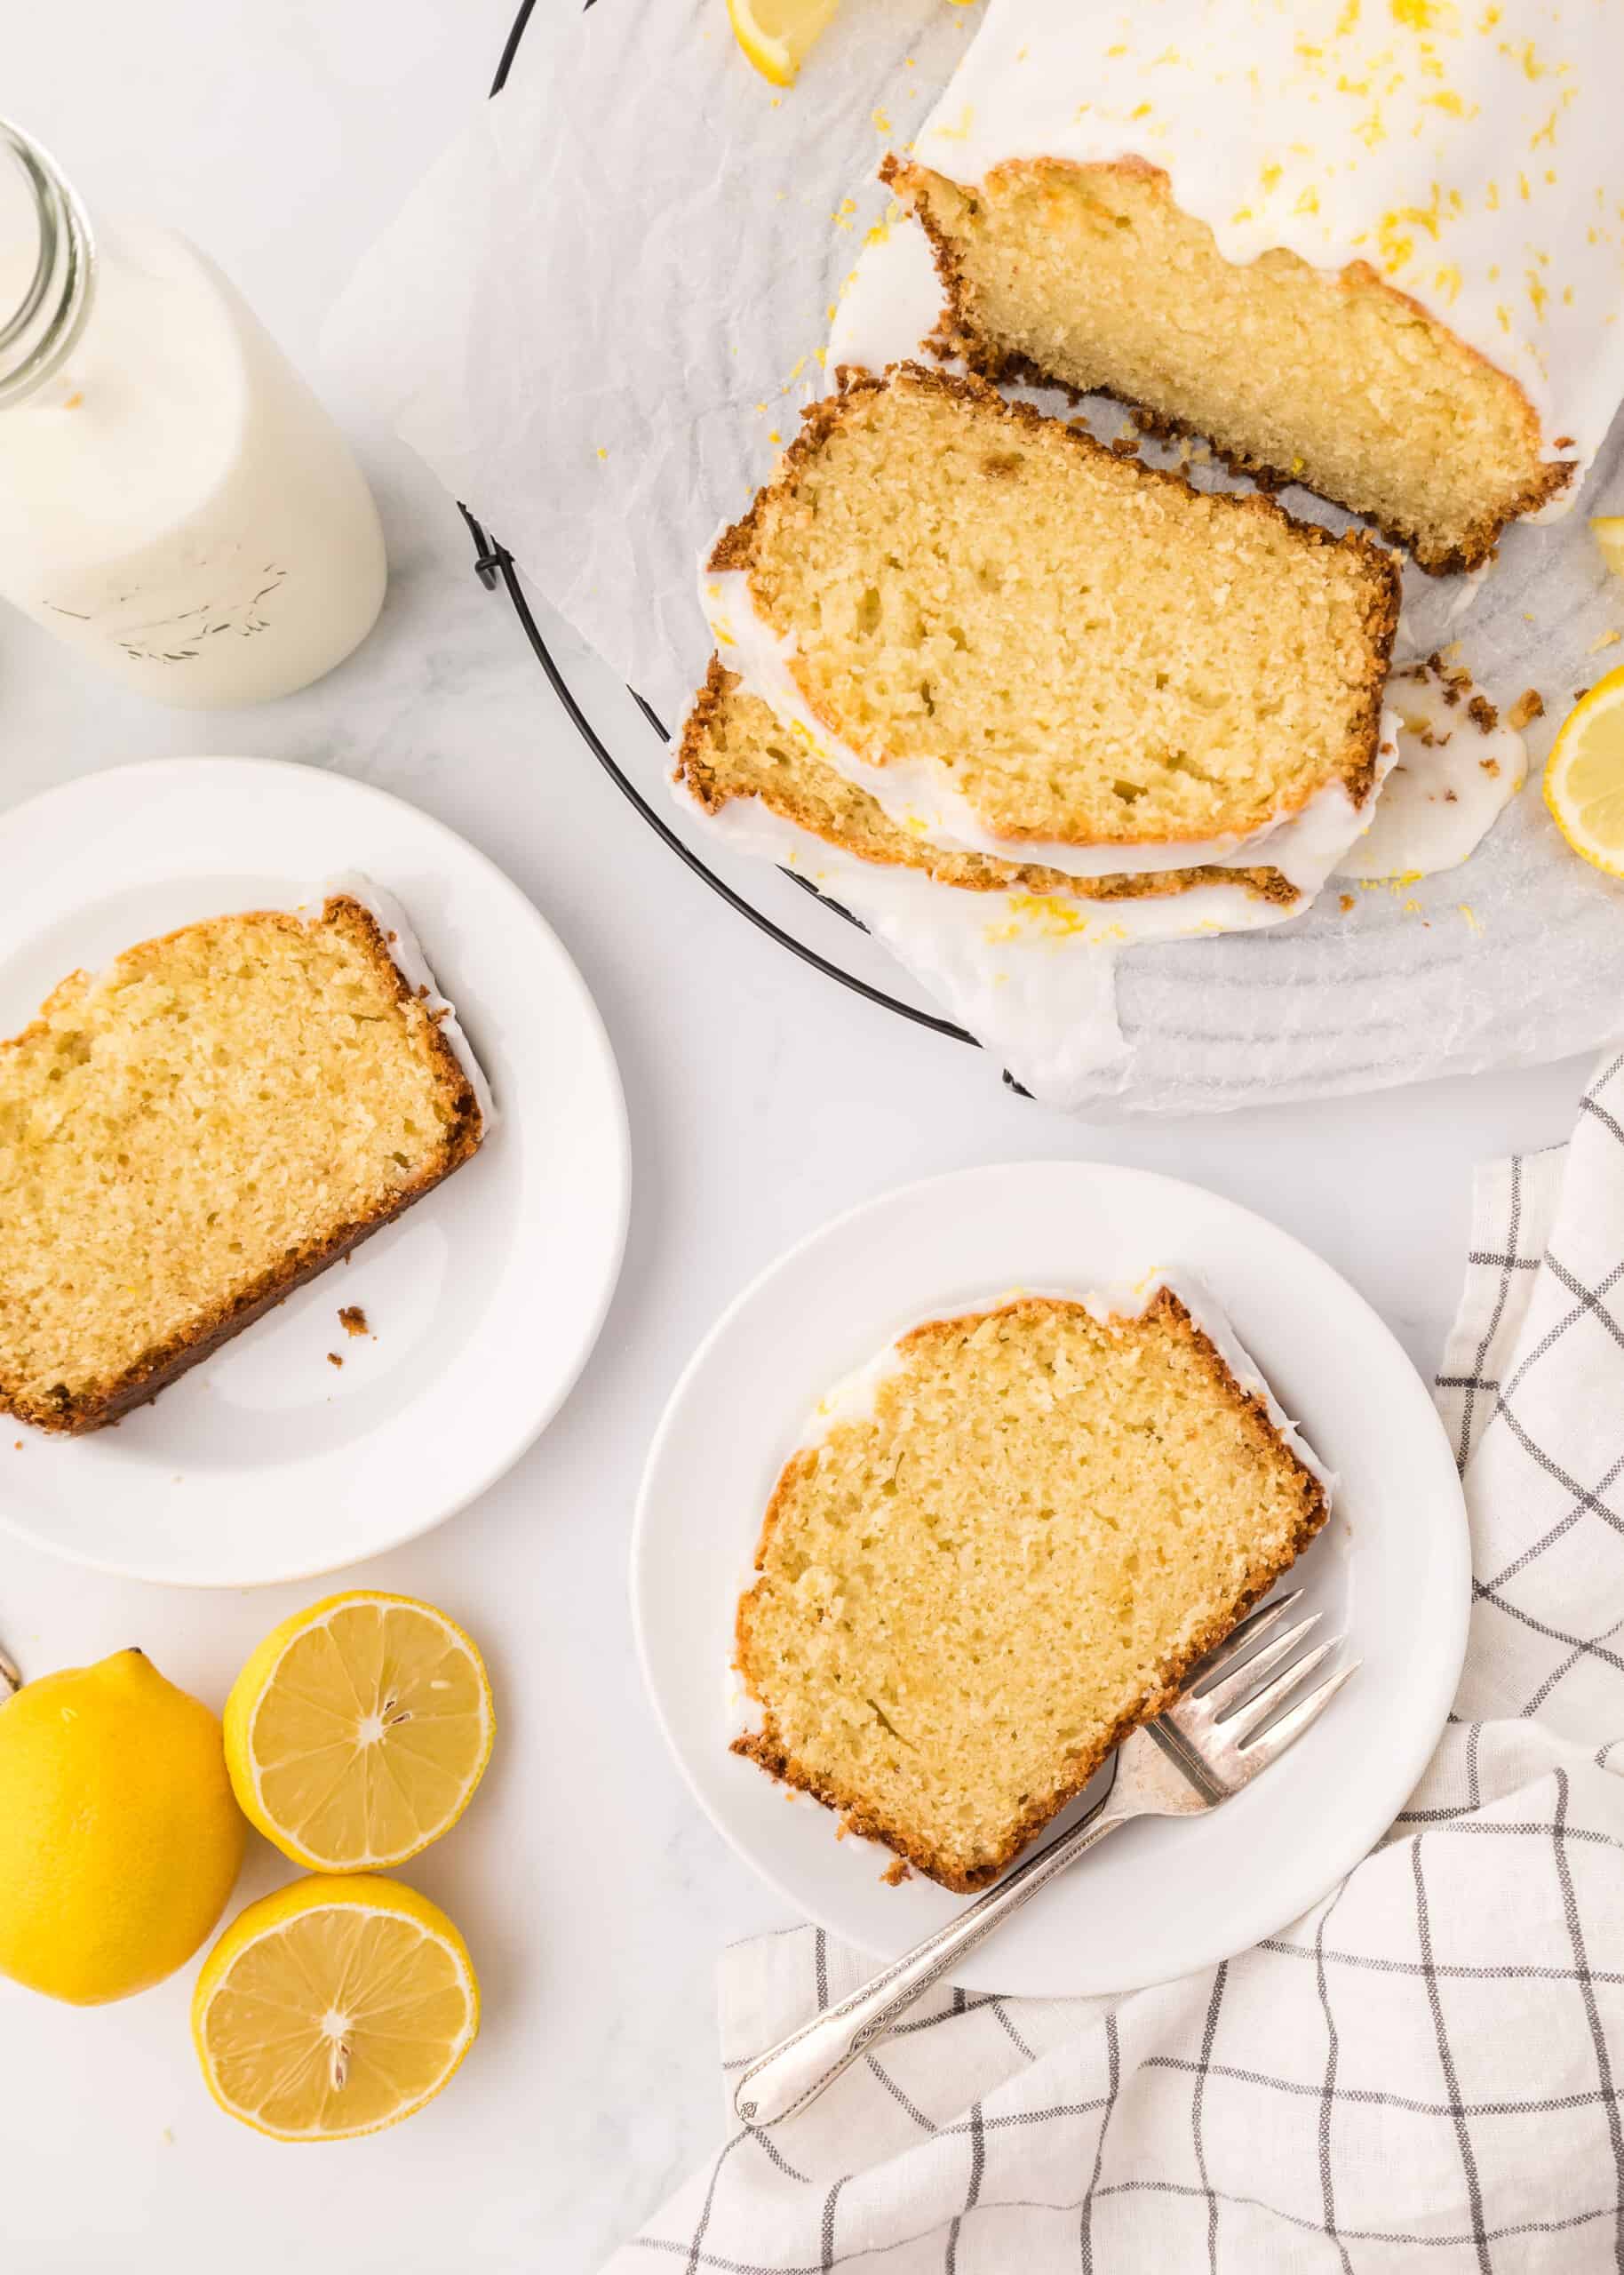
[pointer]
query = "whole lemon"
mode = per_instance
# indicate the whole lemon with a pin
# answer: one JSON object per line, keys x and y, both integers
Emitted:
{"x": 119, "y": 1835}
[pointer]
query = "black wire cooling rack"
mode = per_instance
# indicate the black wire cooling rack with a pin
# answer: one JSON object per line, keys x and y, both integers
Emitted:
{"x": 495, "y": 566}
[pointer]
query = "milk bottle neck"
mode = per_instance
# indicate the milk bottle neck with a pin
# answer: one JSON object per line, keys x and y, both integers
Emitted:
{"x": 47, "y": 267}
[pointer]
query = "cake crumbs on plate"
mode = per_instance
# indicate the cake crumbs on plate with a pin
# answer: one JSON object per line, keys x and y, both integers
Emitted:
{"x": 1345, "y": 901}
{"x": 353, "y": 1320}
{"x": 1530, "y": 705}
{"x": 895, "y": 1872}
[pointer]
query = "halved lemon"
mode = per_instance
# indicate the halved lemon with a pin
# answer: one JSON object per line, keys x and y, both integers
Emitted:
{"x": 776, "y": 34}
{"x": 1610, "y": 536}
{"x": 358, "y": 1730}
{"x": 334, "y": 2007}
{"x": 1584, "y": 778}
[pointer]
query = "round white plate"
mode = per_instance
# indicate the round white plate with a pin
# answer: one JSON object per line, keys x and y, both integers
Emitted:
{"x": 1391, "y": 1569}
{"x": 265, "y": 1461}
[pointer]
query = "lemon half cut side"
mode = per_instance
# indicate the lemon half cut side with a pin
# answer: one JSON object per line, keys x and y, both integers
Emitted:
{"x": 358, "y": 1731}
{"x": 1584, "y": 777}
{"x": 334, "y": 2007}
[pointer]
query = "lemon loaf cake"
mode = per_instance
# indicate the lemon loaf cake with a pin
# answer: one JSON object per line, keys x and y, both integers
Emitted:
{"x": 733, "y": 747}
{"x": 1022, "y": 643}
{"x": 1371, "y": 249}
{"x": 998, "y": 1549}
{"x": 190, "y": 1134}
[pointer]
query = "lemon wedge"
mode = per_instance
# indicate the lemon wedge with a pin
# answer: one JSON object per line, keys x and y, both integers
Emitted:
{"x": 1584, "y": 778}
{"x": 1610, "y": 536}
{"x": 334, "y": 2007}
{"x": 358, "y": 1730}
{"x": 776, "y": 34}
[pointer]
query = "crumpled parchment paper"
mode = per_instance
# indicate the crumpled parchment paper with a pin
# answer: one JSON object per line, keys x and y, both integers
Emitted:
{"x": 597, "y": 318}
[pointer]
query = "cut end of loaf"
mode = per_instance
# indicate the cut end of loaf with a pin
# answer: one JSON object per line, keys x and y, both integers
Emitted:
{"x": 1091, "y": 277}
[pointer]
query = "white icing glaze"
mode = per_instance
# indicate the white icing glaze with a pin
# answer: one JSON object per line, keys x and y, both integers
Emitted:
{"x": 406, "y": 952}
{"x": 1033, "y": 976}
{"x": 890, "y": 303}
{"x": 1448, "y": 787}
{"x": 1466, "y": 152}
{"x": 1044, "y": 1001}
{"x": 1213, "y": 1322}
{"x": 1304, "y": 846}
{"x": 852, "y": 1399}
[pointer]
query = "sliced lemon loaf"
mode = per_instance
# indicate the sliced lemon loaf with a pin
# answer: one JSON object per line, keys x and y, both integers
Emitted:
{"x": 1001, "y": 1549}
{"x": 1371, "y": 250}
{"x": 1024, "y": 644}
{"x": 734, "y": 747}
{"x": 193, "y": 1132}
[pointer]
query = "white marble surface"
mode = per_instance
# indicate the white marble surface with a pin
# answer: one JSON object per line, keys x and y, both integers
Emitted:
{"x": 762, "y": 1100}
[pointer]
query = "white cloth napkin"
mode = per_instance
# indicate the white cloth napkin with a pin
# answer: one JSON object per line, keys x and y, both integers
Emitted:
{"x": 1425, "y": 2069}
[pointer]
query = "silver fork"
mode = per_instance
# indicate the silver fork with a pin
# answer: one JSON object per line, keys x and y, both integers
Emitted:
{"x": 1213, "y": 1739}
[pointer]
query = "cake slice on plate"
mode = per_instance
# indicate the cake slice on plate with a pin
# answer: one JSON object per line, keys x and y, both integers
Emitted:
{"x": 1022, "y": 645}
{"x": 1001, "y": 1548}
{"x": 192, "y": 1133}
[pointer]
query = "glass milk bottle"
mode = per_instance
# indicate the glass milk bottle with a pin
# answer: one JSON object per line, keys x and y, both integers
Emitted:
{"x": 174, "y": 502}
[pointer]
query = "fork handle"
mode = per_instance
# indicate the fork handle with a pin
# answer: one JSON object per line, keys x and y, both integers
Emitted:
{"x": 792, "y": 2073}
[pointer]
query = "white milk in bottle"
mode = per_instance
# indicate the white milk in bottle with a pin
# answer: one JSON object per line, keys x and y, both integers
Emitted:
{"x": 174, "y": 502}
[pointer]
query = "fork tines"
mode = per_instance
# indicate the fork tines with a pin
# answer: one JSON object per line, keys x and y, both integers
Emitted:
{"x": 1231, "y": 1717}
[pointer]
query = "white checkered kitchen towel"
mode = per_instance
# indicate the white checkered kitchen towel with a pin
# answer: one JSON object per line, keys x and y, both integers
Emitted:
{"x": 1425, "y": 2071}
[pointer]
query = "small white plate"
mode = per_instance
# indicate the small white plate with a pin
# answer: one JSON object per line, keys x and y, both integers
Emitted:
{"x": 267, "y": 1462}
{"x": 1158, "y": 1899}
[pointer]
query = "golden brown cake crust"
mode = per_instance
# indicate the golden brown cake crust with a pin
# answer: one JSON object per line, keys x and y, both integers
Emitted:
{"x": 92, "y": 1408}
{"x": 958, "y": 335}
{"x": 735, "y": 547}
{"x": 698, "y": 769}
{"x": 766, "y": 1746}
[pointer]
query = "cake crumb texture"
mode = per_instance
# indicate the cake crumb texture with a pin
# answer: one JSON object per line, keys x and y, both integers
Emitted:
{"x": 191, "y": 1133}
{"x": 1092, "y": 276}
{"x": 968, "y": 1596}
{"x": 1088, "y": 649}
